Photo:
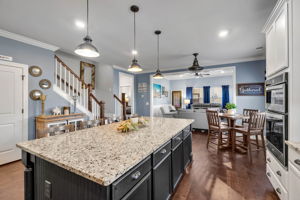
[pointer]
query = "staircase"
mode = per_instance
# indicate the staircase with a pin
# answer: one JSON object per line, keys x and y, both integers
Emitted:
{"x": 69, "y": 86}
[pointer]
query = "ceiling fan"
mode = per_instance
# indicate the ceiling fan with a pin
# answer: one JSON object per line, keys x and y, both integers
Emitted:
{"x": 199, "y": 75}
{"x": 195, "y": 67}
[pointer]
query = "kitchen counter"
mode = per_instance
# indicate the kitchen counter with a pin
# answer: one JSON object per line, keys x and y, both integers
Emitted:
{"x": 294, "y": 145}
{"x": 102, "y": 154}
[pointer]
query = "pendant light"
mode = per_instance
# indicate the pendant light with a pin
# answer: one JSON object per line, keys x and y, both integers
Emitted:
{"x": 158, "y": 74}
{"x": 134, "y": 67}
{"x": 87, "y": 49}
{"x": 195, "y": 67}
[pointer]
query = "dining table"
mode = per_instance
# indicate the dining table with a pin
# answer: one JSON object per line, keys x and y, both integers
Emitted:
{"x": 231, "y": 120}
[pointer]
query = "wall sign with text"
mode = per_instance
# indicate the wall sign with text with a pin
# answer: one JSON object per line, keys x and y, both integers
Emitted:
{"x": 251, "y": 89}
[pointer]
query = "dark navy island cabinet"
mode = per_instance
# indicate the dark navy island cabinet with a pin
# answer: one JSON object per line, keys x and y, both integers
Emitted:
{"x": 154, "y": 178}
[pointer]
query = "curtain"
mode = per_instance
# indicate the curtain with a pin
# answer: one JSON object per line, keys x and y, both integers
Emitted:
{"x": 206, "y": 91}
{"x": 189, "y": 95}
{"x": 225, "y": 95}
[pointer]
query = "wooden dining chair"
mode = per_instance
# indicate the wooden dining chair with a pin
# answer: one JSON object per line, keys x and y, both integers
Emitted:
{"x": 255, "y": 128}
{"x": 247, "y": 112}
{"x": 216, "y": 129}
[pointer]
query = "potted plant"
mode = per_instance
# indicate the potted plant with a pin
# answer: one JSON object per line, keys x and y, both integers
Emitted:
{"x": 230, "y": 108}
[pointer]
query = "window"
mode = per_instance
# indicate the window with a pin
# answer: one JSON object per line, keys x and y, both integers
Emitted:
{"x": 216, "y": 95}
{"x": 197, "y": 95}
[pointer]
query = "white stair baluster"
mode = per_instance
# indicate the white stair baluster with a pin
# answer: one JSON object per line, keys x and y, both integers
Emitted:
{"x": 73, "y": 85}
{"x": 60, "y": 76}
{"x": 65, "y": 80}
{"x": 69, "y": 83}
{"x": 84, "y": 96}
{"x": 55, "y": 73}
{"x": 80, "y": 86}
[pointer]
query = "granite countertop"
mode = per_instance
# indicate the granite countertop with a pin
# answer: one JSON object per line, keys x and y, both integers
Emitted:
{"x": 294, "y": 145}
{"x": 102, "y": 154}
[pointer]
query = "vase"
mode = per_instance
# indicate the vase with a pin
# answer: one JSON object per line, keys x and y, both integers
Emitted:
{"x": 231, "y": 111}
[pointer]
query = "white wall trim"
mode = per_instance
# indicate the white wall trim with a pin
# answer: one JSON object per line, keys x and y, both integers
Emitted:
{"x": 27, "y": 40}
{"x": 25, "y": 95}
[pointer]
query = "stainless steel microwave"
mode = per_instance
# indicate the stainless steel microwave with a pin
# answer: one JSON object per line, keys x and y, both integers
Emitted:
{"x": 277, "y": 94}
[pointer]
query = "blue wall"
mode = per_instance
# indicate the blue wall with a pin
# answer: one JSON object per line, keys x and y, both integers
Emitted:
{"x": 246, "y": 72}
{"x": 31, "y": 55}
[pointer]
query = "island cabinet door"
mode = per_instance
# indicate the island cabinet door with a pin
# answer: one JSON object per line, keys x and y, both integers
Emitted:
{"x": 177, "y": 164}
{"x": 162, "y": 179}
{"x": 187, "y": 150}
{"x": 141, "y": 191}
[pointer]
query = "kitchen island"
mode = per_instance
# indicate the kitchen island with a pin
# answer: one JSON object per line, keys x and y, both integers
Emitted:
{"x": 104, "y": 164}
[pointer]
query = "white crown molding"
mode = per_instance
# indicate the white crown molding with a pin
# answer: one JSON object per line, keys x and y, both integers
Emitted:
{"x": 229, "y": 62}
{"x": 27, "y": 40}
{"x": 273, "y": 15}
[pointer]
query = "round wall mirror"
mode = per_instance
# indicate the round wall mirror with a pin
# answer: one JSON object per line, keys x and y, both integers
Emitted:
{"x": 35, "y": 71}
{"x": 35, "y": 94}
{"x": 45, "y": 84}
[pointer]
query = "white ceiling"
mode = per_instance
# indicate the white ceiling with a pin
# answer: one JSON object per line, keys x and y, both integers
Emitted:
{"x": 187, "y": 26}
{"x": 207, "y": 73}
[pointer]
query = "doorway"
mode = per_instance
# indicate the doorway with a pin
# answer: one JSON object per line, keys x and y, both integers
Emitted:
{"x": 126, "y": 85}
{"x": 177, "y": 99}
{"x": 13, "y": 110}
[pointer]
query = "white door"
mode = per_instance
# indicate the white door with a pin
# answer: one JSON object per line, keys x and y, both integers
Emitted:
{"x": 11, "y": 90}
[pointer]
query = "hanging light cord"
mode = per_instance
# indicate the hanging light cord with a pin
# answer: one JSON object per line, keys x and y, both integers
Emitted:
{"x": 87, "y": 17}
{"x": 158, "y": 51}
{"x": 134, "y": 35}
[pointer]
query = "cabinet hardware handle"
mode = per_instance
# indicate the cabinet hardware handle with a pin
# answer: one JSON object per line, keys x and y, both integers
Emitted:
{"x": 178, "y": 138}
{"x": 268, "y": 174}
{"x": 278, "y": 190}
{"x": 278, "y": 173}
{"x": 136, "y": 175}
{"x": 269, "y": 160}
{"x": 297, "y": 161}
{"x": 163, "y": 151}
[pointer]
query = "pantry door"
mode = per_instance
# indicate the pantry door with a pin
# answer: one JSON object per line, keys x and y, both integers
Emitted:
{"x": 11, "y": 112}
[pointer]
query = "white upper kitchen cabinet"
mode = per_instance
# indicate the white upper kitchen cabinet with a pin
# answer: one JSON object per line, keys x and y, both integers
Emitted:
{"x": 277, "y": 41}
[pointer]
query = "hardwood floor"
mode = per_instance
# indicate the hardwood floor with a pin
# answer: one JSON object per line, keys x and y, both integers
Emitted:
{"x": 211, "y": 176}
{"x": 12, "y": 181}
{"x": 224, "y": 176}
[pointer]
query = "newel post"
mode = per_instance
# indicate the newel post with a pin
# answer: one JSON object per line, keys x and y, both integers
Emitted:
{"x": 124, "y": 105}
{"x": 89, "y": 97}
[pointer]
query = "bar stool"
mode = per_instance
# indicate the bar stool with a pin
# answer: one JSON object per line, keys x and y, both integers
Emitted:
{"x": 254, "y": 128}
{"x": 216, "y": 129}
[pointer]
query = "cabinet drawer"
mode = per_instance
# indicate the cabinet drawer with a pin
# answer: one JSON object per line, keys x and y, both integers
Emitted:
{"x": 186, "y": 133}
{"x": 277, "y": 169}
{"x": 161, "y": 153}
{"x": 280, "y": 190}
{"x": 130, "y": 179}
{"x": 294, "y": 157}
{"x": 176, "y": 140}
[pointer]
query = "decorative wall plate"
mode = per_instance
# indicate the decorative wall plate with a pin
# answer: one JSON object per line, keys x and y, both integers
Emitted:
{"x": 35, "y": 71}
{"x": 35, "y": 94}
{"x": 45, "y": 84}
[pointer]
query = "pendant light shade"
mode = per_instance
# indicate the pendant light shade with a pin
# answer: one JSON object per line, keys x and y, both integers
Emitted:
{"x": 134, "y": 67}
{"x": 158, "y": 74}
{"x": 195, "y": 67}
{"x": 87, "y": 49}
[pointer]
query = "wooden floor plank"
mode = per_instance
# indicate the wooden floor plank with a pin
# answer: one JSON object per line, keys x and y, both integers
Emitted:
{"x": 212, "y": 176}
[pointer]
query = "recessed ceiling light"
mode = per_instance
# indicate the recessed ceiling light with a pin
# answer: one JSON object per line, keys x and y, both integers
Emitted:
{"x": 134, "y": 52}
{"x": 223, "y": 33}
{"x": 79, "y": 24}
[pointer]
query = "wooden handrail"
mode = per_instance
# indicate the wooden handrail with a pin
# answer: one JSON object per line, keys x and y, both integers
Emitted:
{"x": 69, "y": 69}
{"x": 123, "y": 102}
{"x": 90, "y": 96}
